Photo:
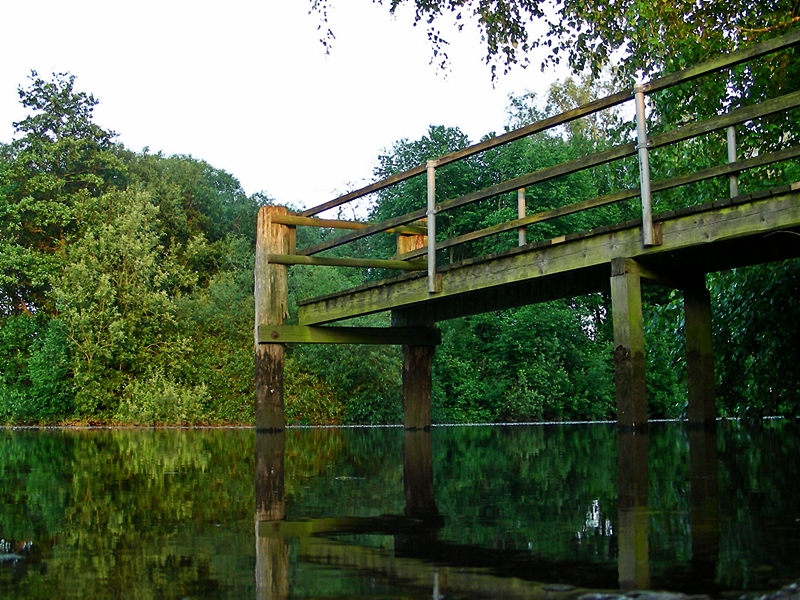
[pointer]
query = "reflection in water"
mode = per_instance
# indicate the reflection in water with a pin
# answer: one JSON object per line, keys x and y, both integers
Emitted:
{"x": 418, "y": 474}
{"x": 470, "y": 512}
{"x": 704, "y": 498}
{"x": 632, "y": 501}
{"x": 272, "y": 551}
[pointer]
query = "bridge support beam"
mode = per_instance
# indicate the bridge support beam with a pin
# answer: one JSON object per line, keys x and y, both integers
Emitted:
{"x": 629, "y": 365}
{"x": 271, "y": 300}
{"x": 699, "y": 354}
{"x": 417, "y": 377}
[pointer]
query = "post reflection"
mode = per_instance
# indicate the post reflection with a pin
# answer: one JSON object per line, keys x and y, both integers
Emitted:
{"x": 272, "y": 551}
{"x": 633, "y": 474}
{"x": 632, "y": 503}
{"x": 704, "y": 497}
{"x": 418, "y": 474}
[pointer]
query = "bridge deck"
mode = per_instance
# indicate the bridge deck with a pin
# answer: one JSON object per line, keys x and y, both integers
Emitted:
{"x": 735, "y": 232}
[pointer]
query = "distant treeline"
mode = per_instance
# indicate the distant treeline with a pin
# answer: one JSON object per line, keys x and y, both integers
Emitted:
{"x": 126, "y": 282}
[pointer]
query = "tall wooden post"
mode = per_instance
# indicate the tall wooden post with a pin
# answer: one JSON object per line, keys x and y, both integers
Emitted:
{"x": 699, "y": 355}
{"x": 271, "y": 299}
{"x": 629, "y": 366}
{"x": 417, "y": 384}
{"x": 417, "y": 378}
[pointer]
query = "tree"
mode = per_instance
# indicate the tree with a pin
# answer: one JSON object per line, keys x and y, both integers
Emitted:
{"x": 54, "y": 172}
{"x": 640, "y": 35}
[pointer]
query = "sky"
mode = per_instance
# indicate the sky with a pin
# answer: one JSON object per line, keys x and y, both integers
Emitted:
{"x": 246, "y": 85}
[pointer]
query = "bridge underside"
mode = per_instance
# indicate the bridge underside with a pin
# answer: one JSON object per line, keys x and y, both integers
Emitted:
{"x": 737, "y": 232}
{"x": 742, "y": 231}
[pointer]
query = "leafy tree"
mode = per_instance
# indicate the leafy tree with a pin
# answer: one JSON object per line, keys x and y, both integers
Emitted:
{"x": 638, "y": 35}
{"x": 58, "y": 167}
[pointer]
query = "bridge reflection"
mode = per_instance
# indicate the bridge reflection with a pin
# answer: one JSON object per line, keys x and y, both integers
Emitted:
{"x": 419, "y": 560}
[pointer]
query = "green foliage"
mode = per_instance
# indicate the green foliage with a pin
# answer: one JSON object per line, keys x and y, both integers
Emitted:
{"x": 541, "y": 362}
{"x": 159, "y": 401}
{"x": 756, "y": 335}
{"x": 125, "y": 279}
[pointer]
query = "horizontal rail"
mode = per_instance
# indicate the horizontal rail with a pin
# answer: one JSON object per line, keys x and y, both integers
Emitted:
{"x": 539, "y": 217}
{"x": 685, "y": 132}
{"x": 288, "y": 334}
{"x": 661, "y": 186}
{"x": 366, "y": 232}
{"x": 706, "y": 68}
{"x": 724, "y": 62}
{"x": 739, "y": 115}
{"x": 337, "y": 224}
{"x": 500, "y": 140}
{"x": 370, "y": 189}
{"x": 335, "y": 261}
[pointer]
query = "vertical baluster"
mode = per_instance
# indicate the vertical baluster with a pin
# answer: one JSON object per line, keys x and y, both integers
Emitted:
{"x": 521, "y": 214}
{"x": 732, "y": 158}
{"x": 648, "y": 236}
{"x": 431, "y": 213}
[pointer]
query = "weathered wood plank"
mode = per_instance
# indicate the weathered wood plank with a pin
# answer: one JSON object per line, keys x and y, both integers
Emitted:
{"x": 337, "y": 224}
{"x": 365, "y": 191}
{"x": 529, "y": 220}
{"x": 390, "y": 336}
{"x": 336, "y": 261}
{"x": 724, "y": 62}
{"x": 697, "y": 229}
{"x": 356, "y": 235}
{"x": 740, "y": 115}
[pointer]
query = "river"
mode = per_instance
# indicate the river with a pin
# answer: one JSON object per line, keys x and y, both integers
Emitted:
{"x": 535, "y": 511}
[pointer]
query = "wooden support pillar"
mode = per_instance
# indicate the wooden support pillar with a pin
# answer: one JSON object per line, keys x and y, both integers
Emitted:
{"x": 417, "y": 378}
{"x": 271, "y": 299}
{"x": 629, "y": 365}
{"x": 699, "y": 355}
{"x": 417, "y": 384}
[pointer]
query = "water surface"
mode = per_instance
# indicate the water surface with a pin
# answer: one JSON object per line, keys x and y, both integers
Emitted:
{"x": 462, "y": 512}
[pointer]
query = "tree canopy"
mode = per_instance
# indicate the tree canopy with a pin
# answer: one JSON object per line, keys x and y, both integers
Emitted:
{"x": 647, "y": 36}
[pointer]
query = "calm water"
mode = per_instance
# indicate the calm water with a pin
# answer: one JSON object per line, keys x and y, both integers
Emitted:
{"x": 462, "y": 512}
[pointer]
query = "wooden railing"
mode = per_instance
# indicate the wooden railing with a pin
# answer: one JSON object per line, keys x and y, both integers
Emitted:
{"x": 420, "y": 224}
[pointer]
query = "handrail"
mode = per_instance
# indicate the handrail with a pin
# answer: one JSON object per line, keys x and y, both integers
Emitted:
{"x": 409, "y": 223}
{"x": 666, "y": 81}
{"x": 682, "y": 133}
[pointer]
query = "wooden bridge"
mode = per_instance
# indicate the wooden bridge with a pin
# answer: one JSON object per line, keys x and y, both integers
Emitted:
{"x": 676, "y": 249}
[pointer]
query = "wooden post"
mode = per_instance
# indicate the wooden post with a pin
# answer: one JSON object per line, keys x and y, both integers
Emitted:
{"x": 629, "y": 366}
{"x": 699, "y": 355}
{"x": 417, "y": 378}
{"x": 409, "y": 243}
{"x": 417, "y": 383}
{"x": 271, "y": 299}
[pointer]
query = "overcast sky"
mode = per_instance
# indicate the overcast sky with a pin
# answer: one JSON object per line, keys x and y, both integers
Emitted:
{"x": 246, "y": 85}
